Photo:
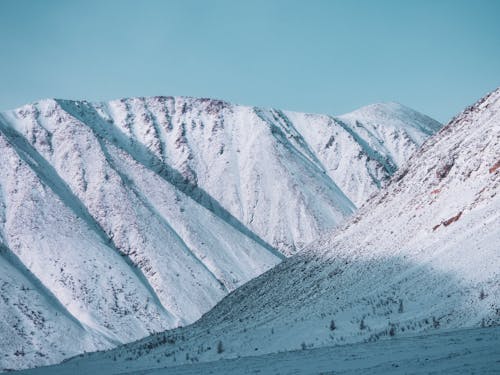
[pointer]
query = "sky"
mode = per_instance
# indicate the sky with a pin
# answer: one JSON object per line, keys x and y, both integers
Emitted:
{"x": 436, "y": 56}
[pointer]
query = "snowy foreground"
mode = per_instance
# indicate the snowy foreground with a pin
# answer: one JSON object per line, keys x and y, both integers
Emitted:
{"x": 458, "y": 352}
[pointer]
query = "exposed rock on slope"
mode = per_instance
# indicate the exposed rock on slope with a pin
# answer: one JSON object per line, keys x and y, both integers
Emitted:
{"x": 130, "y": 217}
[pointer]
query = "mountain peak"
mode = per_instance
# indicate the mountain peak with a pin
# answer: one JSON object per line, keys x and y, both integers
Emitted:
{"x": 393, "y": 114}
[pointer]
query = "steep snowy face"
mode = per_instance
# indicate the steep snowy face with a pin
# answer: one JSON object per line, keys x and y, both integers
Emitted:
{"x": 126, "y": 218}
{"x": 288, "y": 177}
{"x": 122, "y": 259}
{"x": 421, "y": 255}
{"x": 389, "y": 134}
{"x": 361, "y": 150}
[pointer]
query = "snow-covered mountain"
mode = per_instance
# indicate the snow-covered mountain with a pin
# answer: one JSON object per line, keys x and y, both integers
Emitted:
{"x": 419, "y": 257}
{"x": 126, "y": 218}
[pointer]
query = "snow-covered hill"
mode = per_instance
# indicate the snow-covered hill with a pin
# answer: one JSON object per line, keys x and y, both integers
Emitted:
{"x": 126, "y": 218}
{"x": 420, "y": 256}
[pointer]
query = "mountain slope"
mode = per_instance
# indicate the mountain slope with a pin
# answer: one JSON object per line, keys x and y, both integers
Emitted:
{"x": 139, "y": 215}
{"x": 385, "y": 135}
{"x": 420, "y": 256}
{"x": 235, "y": 155}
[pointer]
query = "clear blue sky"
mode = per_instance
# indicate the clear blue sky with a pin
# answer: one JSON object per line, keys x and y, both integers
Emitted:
{"x": 436, "y": 56}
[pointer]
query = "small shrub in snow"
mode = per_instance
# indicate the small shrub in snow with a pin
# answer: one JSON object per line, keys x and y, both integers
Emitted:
{"x": 362, "y": 324}
{"x": 482, "y": 295}
{"x": 332, "y": 325}
{"x": 392, "y": 331}
{"x": 220, "y": 347}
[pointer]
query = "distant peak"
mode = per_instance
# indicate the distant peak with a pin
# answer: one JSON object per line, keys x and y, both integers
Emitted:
{"x": 392, "y": 114}
{"x": 387, "y": 108}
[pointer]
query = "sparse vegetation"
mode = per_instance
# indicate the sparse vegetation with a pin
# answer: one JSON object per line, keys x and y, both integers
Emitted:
{"x": 362, "y": 324}
{"x": 482, "y": 295}
{"x": 220, "y": 347}
{"x": 332, "y": 325}
{"x": 392, "y": 331}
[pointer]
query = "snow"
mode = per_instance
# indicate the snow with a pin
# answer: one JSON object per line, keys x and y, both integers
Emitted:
{"x": 420, "y": 257}
{"x": 458, "y": 352}
{"x": 138, "y": 215}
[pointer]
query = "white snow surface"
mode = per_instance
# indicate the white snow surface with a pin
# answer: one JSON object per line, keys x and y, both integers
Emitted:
{"x": 126, "y": 218}
{"x": 419, "y": 257}
{"x": 466, "y": 351}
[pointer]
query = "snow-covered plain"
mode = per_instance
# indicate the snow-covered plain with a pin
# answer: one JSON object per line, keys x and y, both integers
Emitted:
{"x": 420, "y": 257}
{"x": 470, "y": 351}
{"x": 126, "y": 218}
